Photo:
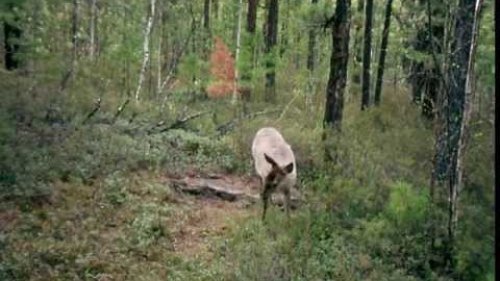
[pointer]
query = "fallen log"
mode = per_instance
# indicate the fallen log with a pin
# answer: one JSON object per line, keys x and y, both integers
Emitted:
{"x": 218, "y": 188}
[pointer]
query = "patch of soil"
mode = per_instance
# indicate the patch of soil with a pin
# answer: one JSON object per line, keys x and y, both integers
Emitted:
{"x": 210, "y": 218}
{"x": 220, "y": 201}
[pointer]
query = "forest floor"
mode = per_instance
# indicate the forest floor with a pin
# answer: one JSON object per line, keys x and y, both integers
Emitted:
{"x": 145, "y": 221}
{"x": 219, "y": 203}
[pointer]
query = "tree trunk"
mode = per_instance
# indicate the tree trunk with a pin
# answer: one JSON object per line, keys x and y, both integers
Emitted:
{"x": 383, "y": 51}
{"x": 426, "y": 79}
{"x": 469, "y": 93}
{"x": 252, "y": 15}
{"x": 145, "y": 60}
{"x": 206, "y": 15}
{"x": 74, "y": 31}
{"x": 74, "y": 47}
{"x": 446, "y": 168}
{"x": 271, "y": 40}
{"x": 357, "y": 58}
{"x": 311, "y": 54}
{"x": 159, "y": 51}
{"x": 338, "y": 65}
{"x": 12, "y": 35}
{"x": 215, "y": 8}
{"x": 365, "y": 99}
{"x": 311, "y": 57}
{"x": 237, "y": 53}
{"x": 92, "y": 24}
{"x": 206, "y": 30}
{"x": 284, "y": 30}
{"x": 249, "y": 46}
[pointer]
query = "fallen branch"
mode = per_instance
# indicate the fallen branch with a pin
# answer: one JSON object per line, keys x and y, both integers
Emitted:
{"x": 120, "y": 109}
{"x": 179, "y": 123}
{"x": 228, "y": 126}
{"x": 210, "y": 188}
{"x": 97, "y": 106}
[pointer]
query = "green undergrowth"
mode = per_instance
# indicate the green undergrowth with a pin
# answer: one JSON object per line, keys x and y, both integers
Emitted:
{"x": 85, "y": 200}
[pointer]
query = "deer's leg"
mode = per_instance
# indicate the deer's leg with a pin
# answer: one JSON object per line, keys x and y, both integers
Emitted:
{"x": 265, "y": 198}
{"x": 286, "y": 192}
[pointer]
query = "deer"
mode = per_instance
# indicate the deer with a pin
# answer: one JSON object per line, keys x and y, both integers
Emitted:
{"x": 275, "y": 164}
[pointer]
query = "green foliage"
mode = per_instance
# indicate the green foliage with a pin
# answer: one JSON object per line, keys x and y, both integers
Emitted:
{"x": 406, "y": 205}
{"x": 147, "y": 227}
{"x": 365, "y": 217}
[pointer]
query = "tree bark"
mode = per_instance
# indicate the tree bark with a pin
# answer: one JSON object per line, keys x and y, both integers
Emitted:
{"x": 469, "y": 91}
{"x": 74, "y": 49}
{"x": 237, "y": 53}
{"x": 145, "y": 60}
{"x": 311, "y": 54}
{"x": 252, "y": 16}
{"x": 446, "y": 168}
{"x": 74, "y": 31}
{"x": 159, "y": 51}
{"x": 12, "y": 35}
{"x": 365, "y": 99}
{"x": 383, "y": 51}
{"x": 92, "y": 25}
{"x": 426, "y": 79}
{"x": 271, "y": 40}
{"x": 249, "y": 45}
{"x": 206, "y": 15}
{"x": 338, "y": 65}
{"x": 284, "y": 30}
{"x": 357, "y": 58}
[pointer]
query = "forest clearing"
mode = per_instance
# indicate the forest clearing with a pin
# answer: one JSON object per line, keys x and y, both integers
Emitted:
{"x": 140, "y": 140}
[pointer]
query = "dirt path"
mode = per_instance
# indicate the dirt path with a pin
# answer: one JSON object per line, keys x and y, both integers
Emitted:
{"x": 218, "y": 203}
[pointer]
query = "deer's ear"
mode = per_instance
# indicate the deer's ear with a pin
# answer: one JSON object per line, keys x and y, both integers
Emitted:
{"x": 270, "y": 160}
{"x": 288, "y": 168}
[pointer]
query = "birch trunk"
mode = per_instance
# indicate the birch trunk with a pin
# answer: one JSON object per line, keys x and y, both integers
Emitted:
{"x": 74, "y": 49}
{"x": 237, "y": 53}
{"x": 147, "y": 31}
{"x": 92, "y": 24}
{"x": 469, "y": 93}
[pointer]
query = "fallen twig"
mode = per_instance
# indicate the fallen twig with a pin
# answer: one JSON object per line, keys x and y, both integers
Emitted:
{"x": 97, "y": 106}
{"x": 228, "y": 126}
{"x": 120, "y": 109}
{"x": 177, "y": 123}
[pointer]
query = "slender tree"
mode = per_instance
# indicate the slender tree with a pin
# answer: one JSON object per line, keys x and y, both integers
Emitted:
{"x": 237, "y": 53}
{"x": 249, "y": 47}
{"x": 367, "y": 49}
{"x": 145, "y": 60}
{"x": 311, "y": 58}
{"x": 426, "y": 78}
{"x": 446, "y": 169}
{"x": 12, "y": 35}
{"x": 271, "y": 40}
{"x": 75, "y": 18}
{"x": 311, "y": 53}
{"x": 338, "y": 65}
{"x": 252, "y": 15}
{"x": 383, "y": 51}
{"x": 358, "y": 40}
{"x": 206, "y": 14}
{"x": 92, "y": 27}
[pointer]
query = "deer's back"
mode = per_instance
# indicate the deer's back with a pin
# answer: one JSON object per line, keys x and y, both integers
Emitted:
{"x": 269, "y": 141}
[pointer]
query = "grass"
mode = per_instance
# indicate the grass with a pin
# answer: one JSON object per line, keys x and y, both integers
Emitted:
{"x": 108, "y": 213}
